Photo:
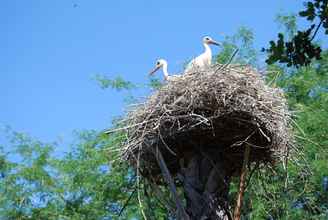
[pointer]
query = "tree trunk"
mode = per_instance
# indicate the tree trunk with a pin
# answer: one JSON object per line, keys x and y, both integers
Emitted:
{"x": 206, "y": 186}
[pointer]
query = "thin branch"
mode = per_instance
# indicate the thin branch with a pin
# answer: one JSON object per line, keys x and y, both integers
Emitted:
{"x": 138, "y": 187}
{"x": 286, "y": 169}
{"x": 316, "y": 31}
{"x": 239, "y": 204}
{"x": 230, "y": 60}
{"x": 298, "y": 127}
{"x": 123, "y": 128}
{"x": 308, "y": 140}
{"x": 127, "y": 201}
{"x": 165, "y": 144}
{"x": 251, "y": 174}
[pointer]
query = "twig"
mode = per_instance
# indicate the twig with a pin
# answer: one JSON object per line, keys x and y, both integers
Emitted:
{"x": 230, "y": 60}
{"x": 298, "y": 127}
{"x": 308, "y": 140}
{"x": 138, "y": 187}
{"x": 237, "y": 212}
{"x": 274, "y": 78}
{"x": 266, "y": 136}
{"x": 238, "y": 143}
{"x": 165, "y": 144}
{"x": 127, "y": 201}
{"x": 251, "y": 174}
{"x": 286, "y": 169}
{"x": 316, "y": 31}
{"x": 123, "y": 128}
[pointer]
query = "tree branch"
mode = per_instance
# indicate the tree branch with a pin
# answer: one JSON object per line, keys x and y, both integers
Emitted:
{"x": 127, "y": 201}
{"x": 168, "y": 178}
{"x": 243, "y": 174}
{"x": 316, "y": 31}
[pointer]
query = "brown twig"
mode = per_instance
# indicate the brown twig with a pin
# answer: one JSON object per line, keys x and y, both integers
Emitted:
{"x": 230, "y": 60}
{"x": 239, "y": 204}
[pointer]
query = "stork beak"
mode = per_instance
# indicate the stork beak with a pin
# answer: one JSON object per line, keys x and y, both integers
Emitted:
{"x": 154, "y": 70}
{"x": 215, "y": 43}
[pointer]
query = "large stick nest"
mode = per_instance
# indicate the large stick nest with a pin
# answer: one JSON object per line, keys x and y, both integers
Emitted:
{"x": 221, "y": 109}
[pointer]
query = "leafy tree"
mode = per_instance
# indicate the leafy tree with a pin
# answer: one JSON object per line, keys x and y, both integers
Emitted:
{"x": 298, "y": 190}
{"x": 300, "y": 49}
{"x": 241, "y": 42}
{"x": 89, "y": 182}
{"x": 117, "y": 83}
{"x": 82, "y": 184}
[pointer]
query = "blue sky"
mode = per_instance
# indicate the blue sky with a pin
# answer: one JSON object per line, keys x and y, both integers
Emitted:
{"x": 51, "y": 50}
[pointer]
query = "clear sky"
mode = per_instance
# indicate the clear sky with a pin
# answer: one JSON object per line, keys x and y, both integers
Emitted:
{"x": 51, "y": 49}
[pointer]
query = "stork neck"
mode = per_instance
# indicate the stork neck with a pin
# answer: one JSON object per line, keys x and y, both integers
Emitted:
{"x": 207, "y": 49}
{"x": 166, "y": 74}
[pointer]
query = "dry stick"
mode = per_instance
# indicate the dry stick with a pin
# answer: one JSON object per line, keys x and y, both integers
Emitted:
{"x": 124, "y": 128}
{"x": 239, "y": 204}
{"x": 286, "y": 167}
{"x": 169, "y": 180}
{"x": 230, "y": 60}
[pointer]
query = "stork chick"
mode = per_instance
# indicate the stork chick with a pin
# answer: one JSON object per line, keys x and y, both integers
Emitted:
{"x": 205, "y": 59}
{"x": 161, "y": 63}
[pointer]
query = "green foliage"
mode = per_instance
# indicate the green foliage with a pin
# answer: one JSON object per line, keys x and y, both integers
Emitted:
{"x": 300, "y": 50}
{"x": 83, "y": 184}
{"x": 288, "y": 23}
{"x": 243, "y": 41}
{"x": 316, "y": 9}
{"x": 302, "y": 195}
{"x": 86, "y": 183}
{"x": 155, "y": 83}
{"x": 117, "y": 83}
{"x": 295, "y": 191}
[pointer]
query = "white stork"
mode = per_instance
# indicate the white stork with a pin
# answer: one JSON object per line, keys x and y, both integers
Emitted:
{"x": 205, "y": 59}
{"x": 161, "y": 63}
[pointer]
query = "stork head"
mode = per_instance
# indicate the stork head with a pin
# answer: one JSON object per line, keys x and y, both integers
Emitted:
{"x": 159, "y": 63}
{"x": 209, "y": 40}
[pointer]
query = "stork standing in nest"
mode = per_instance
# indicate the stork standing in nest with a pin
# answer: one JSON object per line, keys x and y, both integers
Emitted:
{"x": 161, "y": 63}
{"x": 205, "y": 59}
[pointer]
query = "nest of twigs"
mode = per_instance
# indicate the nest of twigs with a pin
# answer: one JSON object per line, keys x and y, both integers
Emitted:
{"x": 222, "y": 109}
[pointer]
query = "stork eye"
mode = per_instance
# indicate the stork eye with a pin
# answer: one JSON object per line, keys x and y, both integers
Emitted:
{"x": 207, "y": 38}
{"x": 158, "y": 63}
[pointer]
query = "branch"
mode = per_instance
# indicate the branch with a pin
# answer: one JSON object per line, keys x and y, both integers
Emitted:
{"x": 316, "y": 31}
{"x": 228, "y": 63}
{"x": 243, "y": 174}
{"x": 127, "y": 201}
{"x": 168, "y": 178}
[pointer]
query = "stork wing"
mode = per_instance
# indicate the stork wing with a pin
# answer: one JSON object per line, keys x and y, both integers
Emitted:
{"x": 194, "y": 63}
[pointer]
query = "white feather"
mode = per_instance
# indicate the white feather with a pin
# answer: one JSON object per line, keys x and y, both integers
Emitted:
{"x": 204, "y": 60}
{"x": 161, "y": 63}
